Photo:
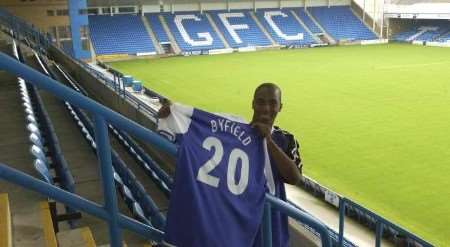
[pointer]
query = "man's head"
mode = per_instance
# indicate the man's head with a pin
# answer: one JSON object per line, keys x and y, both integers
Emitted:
{"x": 266, "y": 103}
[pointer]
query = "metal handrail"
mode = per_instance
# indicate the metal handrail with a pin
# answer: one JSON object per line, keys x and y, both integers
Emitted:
{"x": 102, "y": 115}
{"x": 77, "y": 202}
{"x": 67, "y": 94}
{"x": 380, "y": 223}
{"x": 291, "y": 211}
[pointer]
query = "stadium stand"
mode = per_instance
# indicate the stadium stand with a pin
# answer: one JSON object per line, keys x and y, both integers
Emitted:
{"x": 119, "y": 34}
{"x": 429, "y": 35}
{"x": 125, "y": 177}
{"x": 132, "y": 191}
{"x": 131, "y": 197}
{"x": 193, "y": 31}
{"x": 307, "y": 21}
{"x": 431, "y": 32}
{"x": 157, "y": 28}
{"x": 239, "y": 29}
{"x": 283, "y": 27}
{"x": 341, "y": 23}
{"x": 444, "y": 38}
{"x": 404, "y": 36}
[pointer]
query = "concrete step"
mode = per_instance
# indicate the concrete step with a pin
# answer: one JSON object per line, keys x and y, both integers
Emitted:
{"x": 172, "y": 40}
{"x": 329, "y": 37}
{"x": 152, "y": 35}
{"x": 79, "y": 237}
{"x": 5, "y": 222}
{"x": 305, "y": 27}
{"x": 24, "y": 204}
{"x": 47, "y": 223}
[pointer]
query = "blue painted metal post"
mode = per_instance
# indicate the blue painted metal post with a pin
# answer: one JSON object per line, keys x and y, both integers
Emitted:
{"x": 267, "y": 225}
{"x": 379, "y": 233}
{"x": 78, "y": 20}
{"x": 341, "y": 221}
{"x": 104, "y": 157}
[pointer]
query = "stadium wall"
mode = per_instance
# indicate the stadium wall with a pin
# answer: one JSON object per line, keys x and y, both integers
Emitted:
{"x": 151, "y": 8}
{"x": 327, "y": 3}
{"x": 200, "y": 6}
{"x": 213, "y": 6}
{"x": 39, "y": 12}
{"x": 366, "y": 17}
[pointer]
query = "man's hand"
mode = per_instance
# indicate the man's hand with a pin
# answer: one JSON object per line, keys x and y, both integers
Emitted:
{"x": 265, "y": 130}
{"x": 286, "y": 167}
{"x": 164, "y": 111}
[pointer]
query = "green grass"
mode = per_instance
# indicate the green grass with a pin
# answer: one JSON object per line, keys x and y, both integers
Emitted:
{"x": 373, "y": 121}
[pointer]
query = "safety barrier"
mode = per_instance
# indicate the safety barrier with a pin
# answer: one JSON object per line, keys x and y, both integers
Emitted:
{"x": 380, "y": 223}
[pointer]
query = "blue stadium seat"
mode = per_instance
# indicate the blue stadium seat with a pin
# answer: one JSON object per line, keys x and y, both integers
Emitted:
{"x": 42, "y": 169}
{"x": 34, "y": 129}
{"x": 36, "y": 140}
{"x": 139, "y": 213}
{"x": 435, "y": 31}
{"x": 31, "y": 119}
{"x": 38, "y": 153}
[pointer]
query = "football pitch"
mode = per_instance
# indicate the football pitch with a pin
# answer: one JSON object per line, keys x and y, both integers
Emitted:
{"x": 373, "y": 121}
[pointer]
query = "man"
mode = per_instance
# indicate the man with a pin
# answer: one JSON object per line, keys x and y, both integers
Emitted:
{"x": 282, "y": 148}
{"x": 283, "y": 151}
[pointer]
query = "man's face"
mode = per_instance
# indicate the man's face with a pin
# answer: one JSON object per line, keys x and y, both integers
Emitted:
{"x": 266, "y": 105}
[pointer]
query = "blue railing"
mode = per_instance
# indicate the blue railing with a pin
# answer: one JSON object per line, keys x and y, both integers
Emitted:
{"x": 380, "y": 223}
{"x": 14, "y": 176}
{"x": 136, "y": 199}
{"x": 103, "y": 116}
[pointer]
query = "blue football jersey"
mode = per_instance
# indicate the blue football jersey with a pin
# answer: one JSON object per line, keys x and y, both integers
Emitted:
{"x": 218, "y": 193}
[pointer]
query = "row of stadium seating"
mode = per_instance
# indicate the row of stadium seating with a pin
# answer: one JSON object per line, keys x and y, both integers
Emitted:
{"x": 140, "y": 204}
{"x": 133, "y": 193}
{"x": 444, "y": 38}
{"x": 292, "y": 32}
{"x": 341, "y": 23}
{"x": 193, "y": 31}
{"x": 119, "y": 170}
{"x": 49, "y": 161}
{"x": 44, "y": 142}
{"x": 246, "y": 32}
{"x": 157, "y": 28}
{"x": 437, "y": 31}
{"x": 308, "y": 21}
{"x": 119, "y": 34}
{"x": 37, "y": 143}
